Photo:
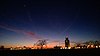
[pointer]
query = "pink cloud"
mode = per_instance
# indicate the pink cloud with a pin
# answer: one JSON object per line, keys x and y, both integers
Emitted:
{"x": 27, "y": 33}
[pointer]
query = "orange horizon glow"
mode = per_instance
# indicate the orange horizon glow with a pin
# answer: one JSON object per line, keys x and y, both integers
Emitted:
{"x": 49, "y": 45}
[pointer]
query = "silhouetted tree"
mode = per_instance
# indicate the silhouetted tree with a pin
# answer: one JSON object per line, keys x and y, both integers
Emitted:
{"x": 92, "y": 42}
{"x": 41, "y": 43}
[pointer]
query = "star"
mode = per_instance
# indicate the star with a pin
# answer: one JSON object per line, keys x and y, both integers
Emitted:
{"x": 24, "y": 5}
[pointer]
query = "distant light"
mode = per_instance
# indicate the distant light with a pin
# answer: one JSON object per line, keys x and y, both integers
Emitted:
{"x": 65, "y": 48}
{"x": 11, "y": 48}
{"x": 99, "y": 46}
{"x": 69, "y": 47}
{"x": 88, "y": 46}
{"x": 78, "y": 47}
{"x": 20, "y": 48}
{"x": 61, "y": 48}
{"x": 96, "y": 46}
{"x": 92, "y": 45}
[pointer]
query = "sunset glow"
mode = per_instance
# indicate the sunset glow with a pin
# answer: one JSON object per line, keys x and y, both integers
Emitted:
{"x": 24, "y": 23}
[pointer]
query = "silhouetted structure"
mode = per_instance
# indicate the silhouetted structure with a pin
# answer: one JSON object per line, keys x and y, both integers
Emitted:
{"x": 67, "y": 42}
{"x": 42, "y": 43}
{"x": 1, "y": 47}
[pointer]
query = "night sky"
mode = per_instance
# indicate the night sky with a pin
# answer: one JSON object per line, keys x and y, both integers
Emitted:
{"x": 23, "y": 22}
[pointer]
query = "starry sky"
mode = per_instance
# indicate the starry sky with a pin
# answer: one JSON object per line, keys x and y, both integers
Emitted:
{"x": 23, "y": 22}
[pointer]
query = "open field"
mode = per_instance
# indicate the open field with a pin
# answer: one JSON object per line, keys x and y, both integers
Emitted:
{"x": 51, "y": 52}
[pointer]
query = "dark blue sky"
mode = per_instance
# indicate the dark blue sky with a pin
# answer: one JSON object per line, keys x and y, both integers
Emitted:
{"x": 53, "y": 20}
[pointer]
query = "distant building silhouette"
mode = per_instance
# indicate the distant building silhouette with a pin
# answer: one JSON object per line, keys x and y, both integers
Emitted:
{"x": 57, "y": 47}
{"x": 67, "y": 42}
{"x": 1, "y": 47}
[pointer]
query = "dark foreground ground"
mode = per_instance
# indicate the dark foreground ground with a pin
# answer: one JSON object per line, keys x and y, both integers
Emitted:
{"x": 51, "y": 52}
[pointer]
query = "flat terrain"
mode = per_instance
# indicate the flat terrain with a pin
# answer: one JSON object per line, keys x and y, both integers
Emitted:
{"x": 51, "y": 52}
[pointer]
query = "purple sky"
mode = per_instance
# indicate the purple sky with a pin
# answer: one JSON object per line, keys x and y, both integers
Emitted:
{"x": 26, "y": 21}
